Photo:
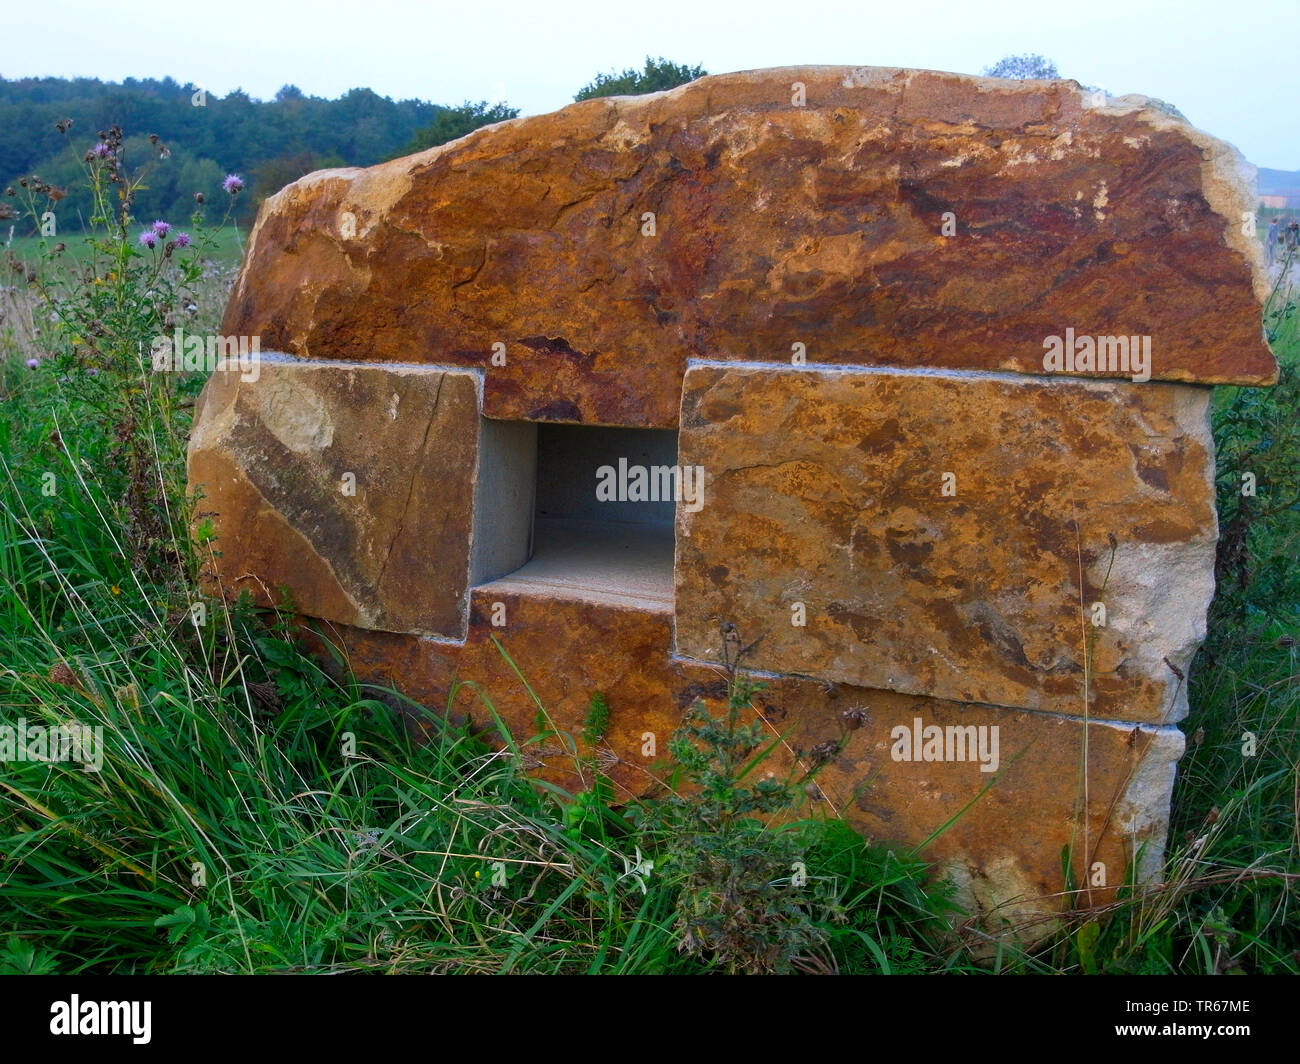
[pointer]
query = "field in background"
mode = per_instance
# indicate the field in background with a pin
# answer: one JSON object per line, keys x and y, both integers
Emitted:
{"x": 227, "y": 252}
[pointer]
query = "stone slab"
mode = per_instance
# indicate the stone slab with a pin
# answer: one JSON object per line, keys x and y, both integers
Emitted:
{"x": 1004, "y": 849}
{"x": 828, "y": 489}
{"x": 271, "y": 456}
{"x": 800, "y": 205}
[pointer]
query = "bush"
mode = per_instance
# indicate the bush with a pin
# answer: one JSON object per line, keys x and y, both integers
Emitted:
{"x": 454, "y": 122}
{"x": 659, "y": 74}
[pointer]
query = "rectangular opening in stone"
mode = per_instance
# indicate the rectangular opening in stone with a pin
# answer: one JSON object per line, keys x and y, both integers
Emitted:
{"x": 603, "y": 517}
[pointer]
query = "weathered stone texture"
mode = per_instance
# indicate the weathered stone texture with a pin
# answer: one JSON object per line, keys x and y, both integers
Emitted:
{"x": 774, "y": 224}
{"x": 1004, "y": 851}
{"x": 831, "y": 489}
{"x": 839, "y": 284}
{"x": 271, "y": 455}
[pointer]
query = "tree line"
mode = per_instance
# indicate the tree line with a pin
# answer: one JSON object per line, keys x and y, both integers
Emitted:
{"x": 182, "y": 141}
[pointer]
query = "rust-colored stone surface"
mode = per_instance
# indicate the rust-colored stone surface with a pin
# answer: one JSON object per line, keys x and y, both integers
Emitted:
{"x": 775, "y": 223}
{"x": 930, "y": 532}
{"x": 1004, "y": 851}
{"x": 390, "y": 549}
{"x": 849, "y": 288}
{"x": 623, "y": 652}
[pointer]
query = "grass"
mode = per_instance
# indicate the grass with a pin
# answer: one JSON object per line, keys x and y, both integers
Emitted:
{"x": 254, "y": 814}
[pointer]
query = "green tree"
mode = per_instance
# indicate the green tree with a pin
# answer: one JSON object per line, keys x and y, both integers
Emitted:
{"x": 658, "y": 74}
{"x": 274, "y": 174}
{"x": 268, "y": 142}
{"x": 1022, "y": 66}
{"x": 454, "y": 122}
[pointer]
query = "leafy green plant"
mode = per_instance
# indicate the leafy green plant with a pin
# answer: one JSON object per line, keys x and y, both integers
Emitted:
{"x": 19, "y": 957}
{"x": 591, "y": 812}
{"x": 745, "y": 901}
{"x": 597, "y": 719}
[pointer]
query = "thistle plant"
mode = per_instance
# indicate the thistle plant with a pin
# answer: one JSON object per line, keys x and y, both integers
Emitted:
{"x": 102, "y": 308}
{"x": 745, "y": 902}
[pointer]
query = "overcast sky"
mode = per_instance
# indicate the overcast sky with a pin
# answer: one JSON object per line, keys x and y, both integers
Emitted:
{"x": 1232, "y": 70}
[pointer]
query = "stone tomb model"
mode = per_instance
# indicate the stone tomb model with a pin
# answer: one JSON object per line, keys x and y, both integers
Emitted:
{"x": 904, "y": 372}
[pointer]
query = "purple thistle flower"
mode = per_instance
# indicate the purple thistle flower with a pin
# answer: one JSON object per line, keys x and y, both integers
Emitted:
{"x": 32, "y": 363}
{"x": 233, "y": 184}
{"x": 161, "y": 228}
{"x": 149, "y": 238}
{"x": 101, "y": 151}
{"x": 182, "y": 240}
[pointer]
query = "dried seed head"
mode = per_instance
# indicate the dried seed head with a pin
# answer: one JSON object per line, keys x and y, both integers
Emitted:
{"x": 854, "y": 718}
{"x": 63, "y": 674}
{"x": 824, "y": 751}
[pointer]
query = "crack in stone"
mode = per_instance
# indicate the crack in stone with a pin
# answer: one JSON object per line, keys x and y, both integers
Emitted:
{"x": 410, "y": 488}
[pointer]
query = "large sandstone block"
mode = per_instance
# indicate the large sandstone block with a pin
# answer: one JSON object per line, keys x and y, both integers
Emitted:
{"x": 950, "y": 535}
{"x": 735, "y": 217}
{"x": 351, "y": 486}
{"x": 868, "y": 298}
